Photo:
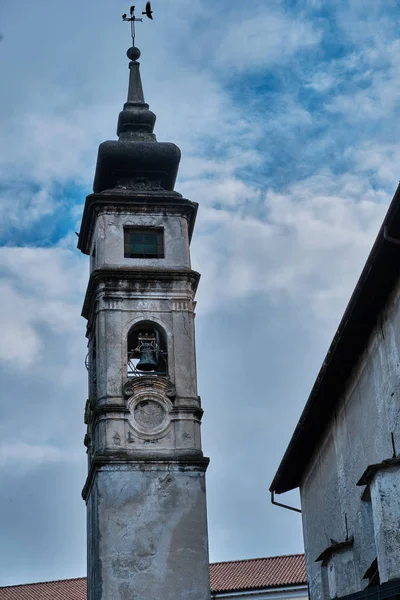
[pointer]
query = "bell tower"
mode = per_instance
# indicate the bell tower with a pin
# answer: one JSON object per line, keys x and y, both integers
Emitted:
{"x": 145, "y": 490}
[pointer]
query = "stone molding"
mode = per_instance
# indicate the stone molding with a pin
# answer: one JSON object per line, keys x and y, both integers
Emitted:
{"x": 180, "y": 413}
{"x": 372, "y": 470}
{"x": 182, "y": 461}
{"x": 162, "y": 384}
{"x": 149, "y": 406}
{"x": 112, "y": 277}
{"x": 334, "y": 548}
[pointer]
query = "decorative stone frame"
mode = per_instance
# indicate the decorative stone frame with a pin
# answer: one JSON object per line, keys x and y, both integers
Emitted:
{"x": 153, "y": 389}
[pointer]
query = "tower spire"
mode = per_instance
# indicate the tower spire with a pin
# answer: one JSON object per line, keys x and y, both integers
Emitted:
{"x": 136, "y": 121}
{"x": 136, "y": 160}
{"x": 135, "y": 89}
{"x": 136, "y": 112}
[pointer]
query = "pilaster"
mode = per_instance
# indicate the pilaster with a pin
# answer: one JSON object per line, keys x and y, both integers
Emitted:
{"x": 339, "y": 570}
{"x": 385, "y": 499}
{"x": 383, "y": 484}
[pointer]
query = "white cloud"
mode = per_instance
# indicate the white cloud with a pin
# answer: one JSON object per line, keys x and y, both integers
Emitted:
{"x": 22, "y": 205}
{"x": 266, "y": 39}
{"x": 18, "y": 342}
{"x": 310, "y": 246}
{"x": 372, "y": 83}
{"x": 56, "y": 145}
{"x": 39, "y": 288}
{"x": 382, "y": 160}
{"x": 22, "y": 455}
{"x": 225, "y": 191}
{"x": 321, "y": 82}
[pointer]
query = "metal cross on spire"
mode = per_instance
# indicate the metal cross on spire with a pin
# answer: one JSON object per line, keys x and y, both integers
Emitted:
{"x": 132, "y": 19}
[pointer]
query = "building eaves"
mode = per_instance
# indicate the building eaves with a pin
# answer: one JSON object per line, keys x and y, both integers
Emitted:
{"x": 373, "y": 288}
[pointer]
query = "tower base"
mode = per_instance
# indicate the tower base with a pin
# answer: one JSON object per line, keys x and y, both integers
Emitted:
{"x": 147, "y": 532}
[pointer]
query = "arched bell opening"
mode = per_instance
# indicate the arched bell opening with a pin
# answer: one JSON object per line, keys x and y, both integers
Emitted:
{"x": 147, "y": 350}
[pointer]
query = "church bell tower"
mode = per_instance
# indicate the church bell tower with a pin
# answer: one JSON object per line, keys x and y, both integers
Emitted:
{"x": 145, "y": 490}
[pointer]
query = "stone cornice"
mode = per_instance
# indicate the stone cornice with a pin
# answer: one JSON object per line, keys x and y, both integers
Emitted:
{"x": 111, "y": 278}
{"x": 178, "y": 459}
{"x": 132, "y": 203}
{"x": 334, "y": 548}
{"x": 188, "y": 410}
{"x": 109, "y": 408}
{"x": 372, "y": 470}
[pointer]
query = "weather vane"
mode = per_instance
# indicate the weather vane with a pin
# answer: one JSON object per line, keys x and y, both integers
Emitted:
{"x": 132, "y": 19}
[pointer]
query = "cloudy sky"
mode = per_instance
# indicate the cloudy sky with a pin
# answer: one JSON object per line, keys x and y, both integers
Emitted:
{"x": 287, "y": 115}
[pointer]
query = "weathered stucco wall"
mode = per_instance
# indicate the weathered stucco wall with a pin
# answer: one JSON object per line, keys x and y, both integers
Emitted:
{"x": 359, "y": 435}
{"x": 148, "y": 533}
{"x": 108, "y": 240}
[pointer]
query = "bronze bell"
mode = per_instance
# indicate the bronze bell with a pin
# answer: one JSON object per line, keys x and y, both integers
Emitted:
{"x": 148, "y": 357}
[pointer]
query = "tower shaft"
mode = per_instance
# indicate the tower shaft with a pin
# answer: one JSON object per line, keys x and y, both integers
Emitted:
{"x": 145, "y": 490}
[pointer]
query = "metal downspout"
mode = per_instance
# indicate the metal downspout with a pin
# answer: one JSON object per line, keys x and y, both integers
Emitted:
{"x": 283, "y": 505}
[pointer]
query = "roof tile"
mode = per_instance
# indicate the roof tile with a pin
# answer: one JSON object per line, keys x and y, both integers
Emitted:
{"x": 256, "y": 573}
{"x": 250, "y": 574}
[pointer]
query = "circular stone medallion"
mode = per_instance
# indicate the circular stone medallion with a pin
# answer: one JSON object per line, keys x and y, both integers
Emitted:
{"x": 149, "y": 414}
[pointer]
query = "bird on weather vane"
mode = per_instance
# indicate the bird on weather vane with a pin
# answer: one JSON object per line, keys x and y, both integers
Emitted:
{"x": 132, "y": 19}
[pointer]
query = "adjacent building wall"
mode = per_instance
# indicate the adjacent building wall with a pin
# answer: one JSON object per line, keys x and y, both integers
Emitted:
{"x": 335, "y": 509}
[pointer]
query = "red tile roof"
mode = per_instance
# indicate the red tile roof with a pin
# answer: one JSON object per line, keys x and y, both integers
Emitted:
{"x": 236, "y": 575}
{"x": 256, "y": 573}
{"x": 65, "y": 589}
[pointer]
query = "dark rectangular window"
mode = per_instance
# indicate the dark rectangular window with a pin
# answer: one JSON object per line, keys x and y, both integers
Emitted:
{"x": 143, "y": 242}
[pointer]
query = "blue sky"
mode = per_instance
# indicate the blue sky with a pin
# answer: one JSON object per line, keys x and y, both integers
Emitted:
{"x": 287, "y": 115}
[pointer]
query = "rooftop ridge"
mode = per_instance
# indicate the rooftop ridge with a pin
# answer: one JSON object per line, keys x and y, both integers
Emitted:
{"x": 43, "y": 582}
{"x": 241, "y": 560}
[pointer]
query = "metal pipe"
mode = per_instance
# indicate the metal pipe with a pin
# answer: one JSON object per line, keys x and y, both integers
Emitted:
{"x": 283, "y": 505}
